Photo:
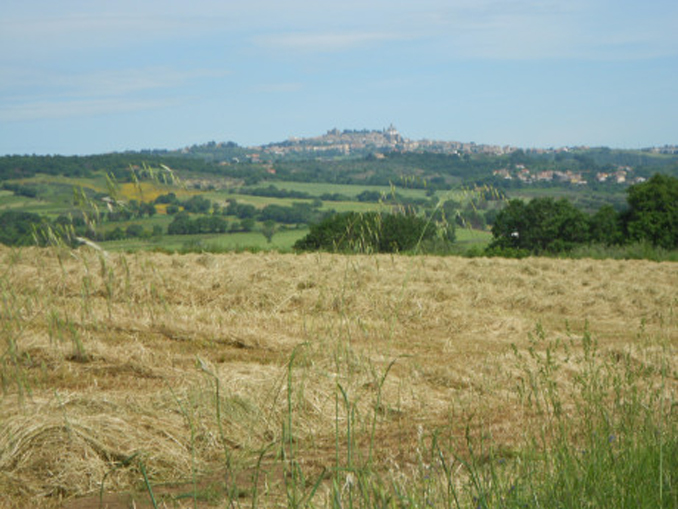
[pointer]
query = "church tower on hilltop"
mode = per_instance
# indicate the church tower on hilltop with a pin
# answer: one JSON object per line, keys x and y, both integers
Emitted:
{"x": 392, "y": 134}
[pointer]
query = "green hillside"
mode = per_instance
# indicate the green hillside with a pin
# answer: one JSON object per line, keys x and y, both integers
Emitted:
{"x": 227, "y": 197}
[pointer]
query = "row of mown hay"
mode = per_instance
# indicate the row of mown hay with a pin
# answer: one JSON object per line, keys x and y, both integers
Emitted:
{"x": 115, "y": 359}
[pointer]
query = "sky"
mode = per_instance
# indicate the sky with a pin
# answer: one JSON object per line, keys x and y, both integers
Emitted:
{"x": 95, "y": 76}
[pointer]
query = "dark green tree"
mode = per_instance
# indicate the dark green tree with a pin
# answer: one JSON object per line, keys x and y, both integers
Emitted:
{"x": 369, "y": 196}
{"x": 511, "y": 227}
{"x": 17, "y": 228}
{"x": 605, "y": 226}
{"x": 166, "y": 198}
{"x": 134, "y": 230}
{"x": 402, "y": 232}
{"x": 367, "y": 232}
{"x": 247, "y": 224}
{"x": 197, "y": 204}
{"x": 340, "y": 232}
{"x": 181, "y": 225}
{"x": 218, "y": 224}
{"x": 653, "y": 211}
{"x": 116, "y": 234}
{"x": 268, "y": 229}
{"x": 542, "y": 225}
{"x": 147, "y": 208}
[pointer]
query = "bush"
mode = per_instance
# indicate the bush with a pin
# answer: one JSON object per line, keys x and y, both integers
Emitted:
{"x": 367, "y": 233}
{"x": 506, "y": 252}
{"x": 197, "y": 204}
{"x": 135, "y": 230}
{"x": 17, "y": 228}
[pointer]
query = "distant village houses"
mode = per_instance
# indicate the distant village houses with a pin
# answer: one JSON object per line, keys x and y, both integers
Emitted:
{"x": 378, "y": 143}
{"x": 524, "y": 175}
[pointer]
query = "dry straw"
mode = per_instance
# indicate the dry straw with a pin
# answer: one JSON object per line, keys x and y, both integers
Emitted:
{"x": 120, "y": 355}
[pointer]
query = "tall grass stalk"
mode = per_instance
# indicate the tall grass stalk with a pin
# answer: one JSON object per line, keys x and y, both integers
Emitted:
{"x": 293, "y": 474}
{"x": 377, "y": 409}
{"x": 608, "y": 449}
{"x": 601, "y": 435}
{"x": 147, "y": 483}
{"x": 230, "y": 478}
{"x": 17, "y": 312}
{"x": 191, "y": 426}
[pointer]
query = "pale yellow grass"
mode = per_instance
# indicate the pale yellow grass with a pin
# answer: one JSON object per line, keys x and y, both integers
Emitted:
{"x": 107, "y": 356}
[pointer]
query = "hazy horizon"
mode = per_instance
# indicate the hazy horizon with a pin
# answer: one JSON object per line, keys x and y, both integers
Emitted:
{"x": 94, "y": 77}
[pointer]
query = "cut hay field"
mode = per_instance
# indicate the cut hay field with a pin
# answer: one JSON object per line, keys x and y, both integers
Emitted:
{"x": 269, "y": 380}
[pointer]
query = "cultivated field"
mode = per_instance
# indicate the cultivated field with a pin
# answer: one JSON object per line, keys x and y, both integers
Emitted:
{"x": 265, "y": 380}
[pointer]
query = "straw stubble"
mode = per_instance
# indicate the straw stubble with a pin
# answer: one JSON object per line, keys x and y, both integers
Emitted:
{"x": 386, "y": 347}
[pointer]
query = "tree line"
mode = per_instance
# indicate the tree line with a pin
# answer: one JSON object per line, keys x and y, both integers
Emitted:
{"x": 540, "y": 226}
{"x": 437, "y": 171}
{"x": 545, "y": 225}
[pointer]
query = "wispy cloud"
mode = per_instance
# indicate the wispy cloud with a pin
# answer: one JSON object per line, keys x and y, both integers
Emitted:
{"x": 47, "y": 36}
{"x": 55, "y": 109}
{"x": 354, "y": 59}
{"x": 505, "y": 29}
{"x": 129, "y": 81}
{"x": 322, "y": 42}
{"x": 538, "y": 29}
{"x": 61, "y": 95}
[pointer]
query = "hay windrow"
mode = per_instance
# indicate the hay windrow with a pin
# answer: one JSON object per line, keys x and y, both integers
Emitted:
{"x": 113, "y": 357}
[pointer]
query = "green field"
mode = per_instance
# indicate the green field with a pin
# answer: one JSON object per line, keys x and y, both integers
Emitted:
{"x": 55, "y": 196}
{"x": 261, "y": 201}
{"x": 350, "y": 190}
{"x": 9, "y": 201}
{"x": 587, "y": 200}
{"x": 282, "y": 241}
{"x": 468, "y": 237}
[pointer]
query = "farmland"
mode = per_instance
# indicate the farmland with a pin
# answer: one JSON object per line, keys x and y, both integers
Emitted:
{"x": 264, "y": 380}
{"x": 117, "y": 191}
{"x": 54, "y": 198}
{"x": 208, "y": 366}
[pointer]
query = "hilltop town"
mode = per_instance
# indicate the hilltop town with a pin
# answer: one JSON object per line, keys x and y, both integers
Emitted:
{"x": 510, "y": 165}
{"x": 359, "y": 142}
{"x": 378, "y": 144}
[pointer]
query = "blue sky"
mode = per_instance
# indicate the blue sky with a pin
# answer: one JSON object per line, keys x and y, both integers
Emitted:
{"x": 91, "y": 76}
